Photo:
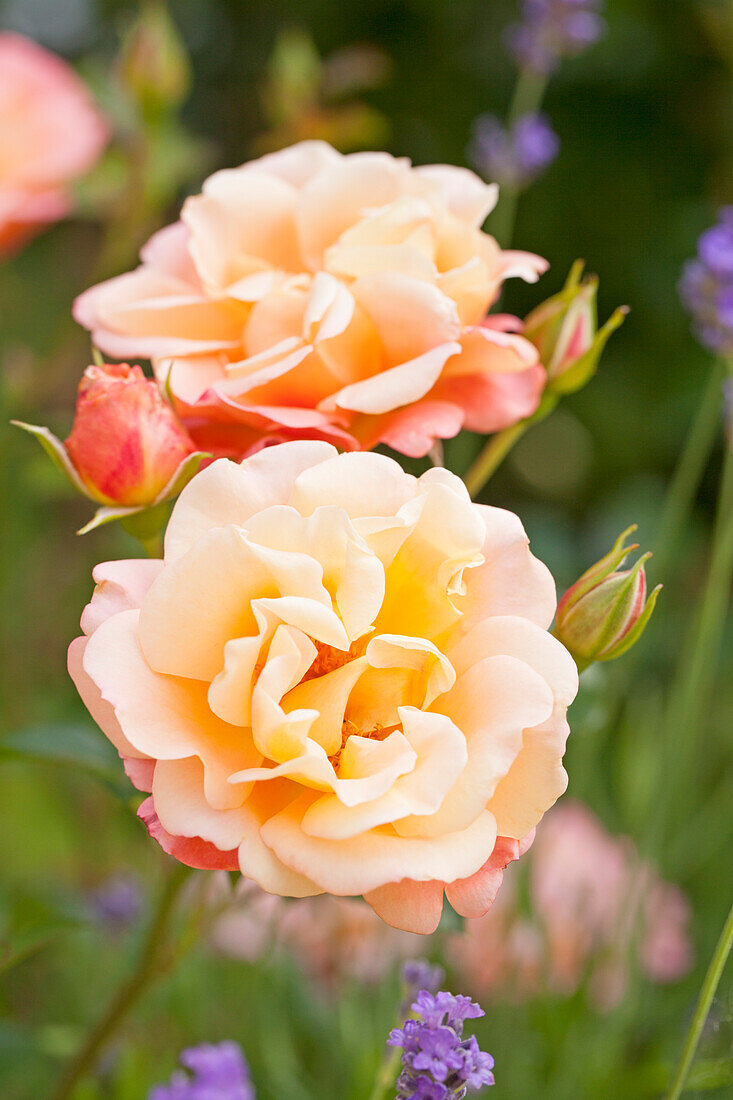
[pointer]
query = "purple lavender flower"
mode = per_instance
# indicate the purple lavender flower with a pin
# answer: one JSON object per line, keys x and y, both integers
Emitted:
{"x": 217, "y": 1071}
{"x": 437, "y": 1063}
{"x": 517, "y": 156}
{"x": 419, "y": 974}
{"x": 553, "y": 29}
{"x": 117, "y": 902}
{"x": 706, "y": 286}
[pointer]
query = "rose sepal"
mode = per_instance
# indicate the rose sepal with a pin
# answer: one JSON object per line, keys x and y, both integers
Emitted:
{"x": 564, "y": 329}
{"x": 108, "y": 513}
{"x": 606, "y": 611}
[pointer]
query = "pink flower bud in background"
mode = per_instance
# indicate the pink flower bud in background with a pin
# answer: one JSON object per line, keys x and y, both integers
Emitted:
{"x": 51, "y": 133}
{"x": 605, "y": 612}
{"x": 126, "y": 442}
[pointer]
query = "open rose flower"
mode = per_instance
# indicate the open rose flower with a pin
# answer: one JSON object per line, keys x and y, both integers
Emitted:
{"x": 313, "y": 295}
{"x": 50, "y": 134}
{"x": 339, "y": 680}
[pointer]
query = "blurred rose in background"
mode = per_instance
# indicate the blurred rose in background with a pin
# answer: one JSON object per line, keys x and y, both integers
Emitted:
{"x": 594, "y": 903}
{"x": 51, "y": 133}
{"x": 331, "y": 939}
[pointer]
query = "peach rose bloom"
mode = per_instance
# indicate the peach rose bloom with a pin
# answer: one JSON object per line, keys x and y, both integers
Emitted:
{"x": 339, "y": 679}
{"x": 313, "y": 295}
{"x": 594, "y": 902}
{"x": 50, "y": 134}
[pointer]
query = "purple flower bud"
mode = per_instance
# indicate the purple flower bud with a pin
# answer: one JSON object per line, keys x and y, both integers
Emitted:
{"x": 516, "y": 157}
{"x": 217, "y": 1071}
{"x": 553, "y": 29}
{"x": 117, "y": 902}
{"x": 706, "y": 286}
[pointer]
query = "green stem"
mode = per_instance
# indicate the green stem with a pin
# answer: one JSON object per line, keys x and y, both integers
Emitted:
{"x": 156, "y": 958}
{"x": 692, "y": 685}
{"x": 686, "y": 479}
{"x": 492, "y": 455}
{"x": 387, "y": 1075}
{"x": 689, "y": 701}
{"x": 498, "y": 446}
{"x": 702, "y": 1008}
{"x": 529, "y": 92}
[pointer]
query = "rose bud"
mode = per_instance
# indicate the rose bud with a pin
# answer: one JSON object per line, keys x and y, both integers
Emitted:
{"x": 564, "y": 331}
{"x": 153, "y": 64}
{"x": 605, "y": 612}
{"x": 127, "y": 449}
{"x": 126, "y": 442}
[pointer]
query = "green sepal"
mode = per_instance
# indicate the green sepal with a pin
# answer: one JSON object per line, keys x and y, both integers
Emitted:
{"x": 601, "y": 569}
{"x": 637, "y": 629}
{"x": 581, "y": 372}
{"x": 108, "y": 513}
{"x": 56, "y": 451}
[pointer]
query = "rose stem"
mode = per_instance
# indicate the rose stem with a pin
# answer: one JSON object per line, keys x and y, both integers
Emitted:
{"x": 529, "y": 91}
{"x": 156, "y": 958}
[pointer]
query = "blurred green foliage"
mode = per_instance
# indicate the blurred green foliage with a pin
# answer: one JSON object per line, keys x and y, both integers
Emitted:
{"x": 645, "y": 120}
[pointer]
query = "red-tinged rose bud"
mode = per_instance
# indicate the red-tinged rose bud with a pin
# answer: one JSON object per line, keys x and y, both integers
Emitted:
{"x": 564, "y": 329}
{"x": 126, "y": 442}
{"x": 605, "y": 612}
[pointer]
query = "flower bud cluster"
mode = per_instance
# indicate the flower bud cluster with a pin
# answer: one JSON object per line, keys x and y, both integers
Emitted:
{"x": 553, "y": 29}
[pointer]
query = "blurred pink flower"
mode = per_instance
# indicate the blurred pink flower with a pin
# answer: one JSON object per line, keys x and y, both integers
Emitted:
{"x": 50, "y": 134}
{"x": 313, "y": 295}
{"x": 331, "y": 939}
{"x": 592, "y": 899}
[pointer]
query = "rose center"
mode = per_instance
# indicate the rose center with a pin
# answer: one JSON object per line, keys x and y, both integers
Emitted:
{"x": 348, "y": 729}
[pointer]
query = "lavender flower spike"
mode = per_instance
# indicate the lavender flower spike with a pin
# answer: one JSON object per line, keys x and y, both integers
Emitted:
{"x": 437, "y": 1062}
{"x": 706, "y": 286}
{"x": 517, "y": 156}
{"x": 553, "y": 29}
{"x": 217, "y": 1071}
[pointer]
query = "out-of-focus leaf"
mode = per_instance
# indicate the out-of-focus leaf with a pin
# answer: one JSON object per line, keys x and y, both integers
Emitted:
{"x": 74, "y": 745}
{"x": 16, "y": 947}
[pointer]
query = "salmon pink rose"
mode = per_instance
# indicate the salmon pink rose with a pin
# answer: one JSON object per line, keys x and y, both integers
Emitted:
{"x": 310, "y": 294}
{"x": 339, "y": 679}
{"x": 50, "y": 134}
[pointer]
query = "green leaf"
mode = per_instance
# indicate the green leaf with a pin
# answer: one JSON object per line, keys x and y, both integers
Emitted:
{"x": 75, "y": 745}
{"x": 16, "y": 948}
